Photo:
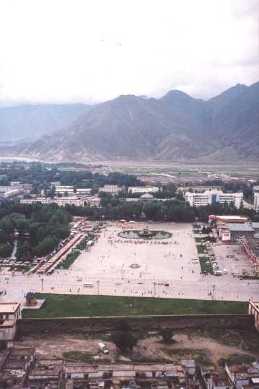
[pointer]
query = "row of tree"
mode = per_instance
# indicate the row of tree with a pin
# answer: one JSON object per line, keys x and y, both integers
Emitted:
{"x": 41, "y": 175}
{"x": 174, "y": 210}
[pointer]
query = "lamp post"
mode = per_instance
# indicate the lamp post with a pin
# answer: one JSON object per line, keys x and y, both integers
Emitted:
{"x": 213, "y": 291}
{"x": 154, "y": 283}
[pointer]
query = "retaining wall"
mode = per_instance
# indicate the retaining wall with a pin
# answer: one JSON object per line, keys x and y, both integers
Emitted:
{"x": 136, "y": 323}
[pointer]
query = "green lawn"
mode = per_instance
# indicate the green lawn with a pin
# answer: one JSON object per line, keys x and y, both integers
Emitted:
{"x": 68, "y": 306}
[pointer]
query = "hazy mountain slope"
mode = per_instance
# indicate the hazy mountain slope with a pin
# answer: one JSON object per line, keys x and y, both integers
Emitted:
{"x": 235, "y": 119}
{"x": 32, "y": 121}
{"x": 126, "y": 127}
{"x": 176, "y": 126}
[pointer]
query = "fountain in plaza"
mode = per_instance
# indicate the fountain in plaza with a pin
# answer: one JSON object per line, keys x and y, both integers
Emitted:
{"x": 145, "y": 233}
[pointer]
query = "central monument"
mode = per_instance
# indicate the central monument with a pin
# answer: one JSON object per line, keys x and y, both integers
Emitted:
{"x": 145, "y": 233}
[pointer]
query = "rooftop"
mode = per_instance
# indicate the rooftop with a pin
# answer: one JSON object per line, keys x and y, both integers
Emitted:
{"x": 243, "y": 227}
{"x": 147, "y": 196}
{"x": 8, "y": 307}
{"x": 72, "y": 367}
{"x": 228, "y": 218}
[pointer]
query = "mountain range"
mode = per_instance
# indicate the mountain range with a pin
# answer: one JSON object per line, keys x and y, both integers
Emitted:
{"x": 31, "y": 121}
{"x": 173, "y": 127}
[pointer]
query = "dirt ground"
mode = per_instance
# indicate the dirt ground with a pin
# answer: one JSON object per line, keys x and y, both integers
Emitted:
{"x": 55, "y": 347}
{"x": 207, "y": 347}
{"x": 206, "y": 350}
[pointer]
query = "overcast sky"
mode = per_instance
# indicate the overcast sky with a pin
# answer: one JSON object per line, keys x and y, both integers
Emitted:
{"x": 94, "y": 50}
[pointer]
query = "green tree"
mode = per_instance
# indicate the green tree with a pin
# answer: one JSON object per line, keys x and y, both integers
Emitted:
{"x": 45, "y": 246}
{"x": 167, "y": 334}
{"x": 124, "y": 340}
{"x": 5, "y": 250}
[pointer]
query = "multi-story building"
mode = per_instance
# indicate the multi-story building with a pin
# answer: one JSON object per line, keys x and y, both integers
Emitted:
{"x": 197, "y": 199}
{"x": 112, "y": 189}
{"x": 213, "y": 197}
{"x": 35, "y": 200}
{"x": 9, "y": 314}
{"x": 64, "y": 189}
{"x": 143, "y": 189}
{"x": 78, "y": 201}
{"x": 11, "y": 191}
{"x": 60, "y": 201}
{"x": 83, "y": 191}
{"x": 198, "y": 188}
{"x": 92, "y": 201}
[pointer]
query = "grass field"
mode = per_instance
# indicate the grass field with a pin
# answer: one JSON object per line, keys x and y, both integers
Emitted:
{"x": 69, "y": 306}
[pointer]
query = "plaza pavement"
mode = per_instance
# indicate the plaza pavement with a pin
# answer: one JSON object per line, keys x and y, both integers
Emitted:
{"x": 165, "y": 270}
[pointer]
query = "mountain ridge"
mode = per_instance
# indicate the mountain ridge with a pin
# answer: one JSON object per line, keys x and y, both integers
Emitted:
{"x": 30, "y": 121}
{"x": 173, "y": 127}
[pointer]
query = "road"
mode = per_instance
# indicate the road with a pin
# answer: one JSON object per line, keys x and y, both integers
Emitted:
{"x": 207, "y": 287}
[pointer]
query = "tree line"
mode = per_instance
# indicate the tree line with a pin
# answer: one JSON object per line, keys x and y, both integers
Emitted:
{"x": 41, "y": 175}
{"x": 173, "y": 210}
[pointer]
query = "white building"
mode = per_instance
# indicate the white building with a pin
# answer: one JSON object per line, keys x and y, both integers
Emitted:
{"x": 256, "y": 201}
{"x": 9, "y": 314}
{"x": 73, "y": 200}
{"x": 212, "y": 198}
{"x": 143, "y": 189}
{"x": 15, "y": 183}
{"x": 92, "y": 201}
{"x": 78, "y": 201}
{"x": 198, "y": 188}
{"x": 83, "y": 191}
{"x": 10, "y": 311}
{"x": 13, "y": 193}
{"x": 11, "y": 190}
{"x": 5, "y": 188}
{"x": 35, "y": 200}
{"x": 55, "y": 183}
{"x": 60, "y": 201}
{"x": 64, "y": 189}
{"x": 112, "y": 189}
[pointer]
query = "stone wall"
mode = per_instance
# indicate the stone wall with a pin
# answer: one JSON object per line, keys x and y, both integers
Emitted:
{"x": 137, "y": 323}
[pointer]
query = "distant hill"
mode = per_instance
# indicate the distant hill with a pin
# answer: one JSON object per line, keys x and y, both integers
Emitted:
{"x": 31, "y": 121}
{"x": 174, "y": 127}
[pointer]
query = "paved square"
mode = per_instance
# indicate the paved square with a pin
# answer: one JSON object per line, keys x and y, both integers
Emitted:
{"x": 161, "y": 268}
{"x": 232, "y": 259}
{"x": 113, "y": 256}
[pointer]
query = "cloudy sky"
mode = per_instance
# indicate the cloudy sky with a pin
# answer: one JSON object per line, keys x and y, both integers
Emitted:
{"x": 94, "y": 50}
